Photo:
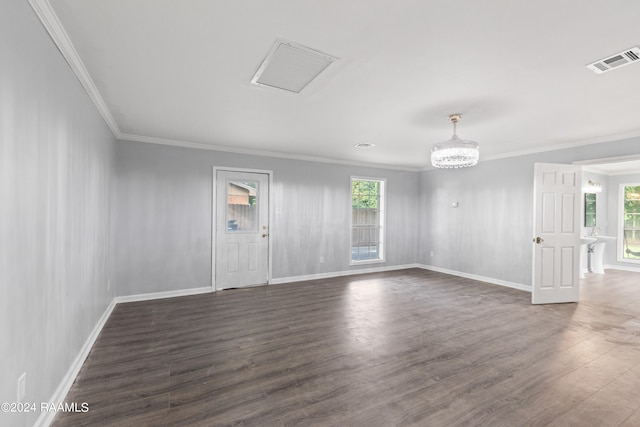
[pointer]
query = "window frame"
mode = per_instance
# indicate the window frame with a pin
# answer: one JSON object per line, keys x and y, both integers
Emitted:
{"x": 381, "y": 220}
{"x": 621, "y": 244}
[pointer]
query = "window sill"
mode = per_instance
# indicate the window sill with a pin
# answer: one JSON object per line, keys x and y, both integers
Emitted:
{"x": 367, "y": 261}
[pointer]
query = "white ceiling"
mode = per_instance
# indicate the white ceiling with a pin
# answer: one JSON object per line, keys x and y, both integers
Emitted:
{"x": 614, "y": 168}
{"x": 172, "y": 71}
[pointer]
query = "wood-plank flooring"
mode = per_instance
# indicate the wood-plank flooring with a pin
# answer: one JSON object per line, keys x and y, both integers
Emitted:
{"x": 403, "y": 348}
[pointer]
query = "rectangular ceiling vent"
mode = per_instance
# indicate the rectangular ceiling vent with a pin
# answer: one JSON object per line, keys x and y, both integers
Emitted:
{"x": 618, "y": 60}
{"x": 290, "y": 66}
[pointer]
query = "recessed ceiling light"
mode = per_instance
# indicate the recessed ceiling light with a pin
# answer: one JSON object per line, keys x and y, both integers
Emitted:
{"x": 364, "y": 145}
{"x": 291, "y": 66}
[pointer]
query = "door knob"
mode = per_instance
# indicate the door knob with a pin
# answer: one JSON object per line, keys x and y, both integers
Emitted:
{"x": 265, "y": 235}
{"x": 538, "y": 240}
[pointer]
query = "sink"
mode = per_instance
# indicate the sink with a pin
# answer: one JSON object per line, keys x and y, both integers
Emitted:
{"x": 602, "y": 239}
{"x": 592, "y": 253}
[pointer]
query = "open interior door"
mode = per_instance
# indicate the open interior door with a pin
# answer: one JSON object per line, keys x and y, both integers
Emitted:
{"x": 556, "y": 254}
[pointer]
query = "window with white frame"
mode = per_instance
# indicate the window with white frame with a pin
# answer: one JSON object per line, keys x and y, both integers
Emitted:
{"x": 367, "y": 219}
{"x": 630, "y": 208}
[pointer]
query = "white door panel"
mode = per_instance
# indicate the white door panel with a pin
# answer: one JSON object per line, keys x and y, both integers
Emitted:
{"x": 556, "y": 259}
{"x": 242, "y": 229}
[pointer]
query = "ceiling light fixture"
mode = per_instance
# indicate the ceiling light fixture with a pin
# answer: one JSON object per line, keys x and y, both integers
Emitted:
{"x": 593, "y": 187}
{"x": 456, "y": 152}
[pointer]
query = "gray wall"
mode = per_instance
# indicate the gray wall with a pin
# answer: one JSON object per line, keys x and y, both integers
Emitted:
{"x": 56, "y": 157}
{"x": 484, "y": 234}
{"x": 490, "y": 233}
{"x": 163, "y": 214}
{"x": 57, "y": 162}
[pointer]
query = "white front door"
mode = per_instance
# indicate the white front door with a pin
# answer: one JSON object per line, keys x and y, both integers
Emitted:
{"x": 556, "y": 256}
{"x": 242, "y": 229}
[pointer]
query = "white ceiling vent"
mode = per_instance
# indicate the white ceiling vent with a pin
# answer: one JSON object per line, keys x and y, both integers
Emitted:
{"x": 618, "y": 60}
{"x": 291, "y": 66}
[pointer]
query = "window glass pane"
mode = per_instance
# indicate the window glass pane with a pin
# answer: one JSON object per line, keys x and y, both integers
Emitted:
{"x": 355, "y": 236}
{"x": 242, "y": 209}
{"x": 589, "y": 210}
{"x": 366, "y": 217}
{"x": 631, "y": 229}
{"x": 373, "y": 235}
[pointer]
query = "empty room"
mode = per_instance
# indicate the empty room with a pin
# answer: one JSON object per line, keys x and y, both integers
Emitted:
{"x": 299, "y": 213}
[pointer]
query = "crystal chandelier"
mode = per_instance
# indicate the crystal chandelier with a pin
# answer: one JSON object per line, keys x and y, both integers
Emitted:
{"x": 456, "y": 152}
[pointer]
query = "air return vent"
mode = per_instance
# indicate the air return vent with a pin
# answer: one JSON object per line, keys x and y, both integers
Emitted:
{"x": 291, "y": 66}
{"x": 618, "y": 60}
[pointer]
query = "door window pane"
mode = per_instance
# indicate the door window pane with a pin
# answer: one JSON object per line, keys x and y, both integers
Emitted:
{"x": 242, "y": 207}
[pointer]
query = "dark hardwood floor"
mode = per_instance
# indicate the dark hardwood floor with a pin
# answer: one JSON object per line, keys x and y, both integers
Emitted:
{"x": 410, "y": 347}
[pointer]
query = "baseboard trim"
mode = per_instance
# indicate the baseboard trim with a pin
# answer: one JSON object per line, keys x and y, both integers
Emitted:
{"x": 46, "y": 418}
{"x": 306, "y": 277}
{"x": 162, "y": 295}
{"x": 623, "y": 268}
{"x": 58, "y": 396}
{"x": 491, "y": 280}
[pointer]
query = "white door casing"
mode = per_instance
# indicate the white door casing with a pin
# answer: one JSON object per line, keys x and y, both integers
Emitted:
{"x": 556, "y": 254}
{"x": 241, "y": 251}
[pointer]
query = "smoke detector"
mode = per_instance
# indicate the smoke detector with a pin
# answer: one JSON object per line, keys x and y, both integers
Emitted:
{"x": 618, "y": 60}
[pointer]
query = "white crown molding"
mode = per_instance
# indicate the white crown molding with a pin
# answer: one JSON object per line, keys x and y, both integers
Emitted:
{"x": 562, "y": 146}
{"x": 252, "y": 152}
{"x": 617, "y": 159}
{"x": 54, "y": 27}
{"x": 556, "y": 147}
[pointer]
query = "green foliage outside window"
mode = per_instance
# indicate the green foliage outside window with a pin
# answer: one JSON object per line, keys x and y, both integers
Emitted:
{"x": 365, "y": 194}
{"x": 632, "y": 206}
{"x": 631, "y": 239}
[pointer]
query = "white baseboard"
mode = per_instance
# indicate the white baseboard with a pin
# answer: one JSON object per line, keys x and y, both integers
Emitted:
{"x": 306, "y": 277}
{"x": 401, "y": 267}
{"x": 161, "y": 295}
{"x": 46, "y": 417}
{"x": 623, "y": 268}
{"x": 58, "y": 396}
{"x": 491, "y": 280}
{"x": 61, "y": 392}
